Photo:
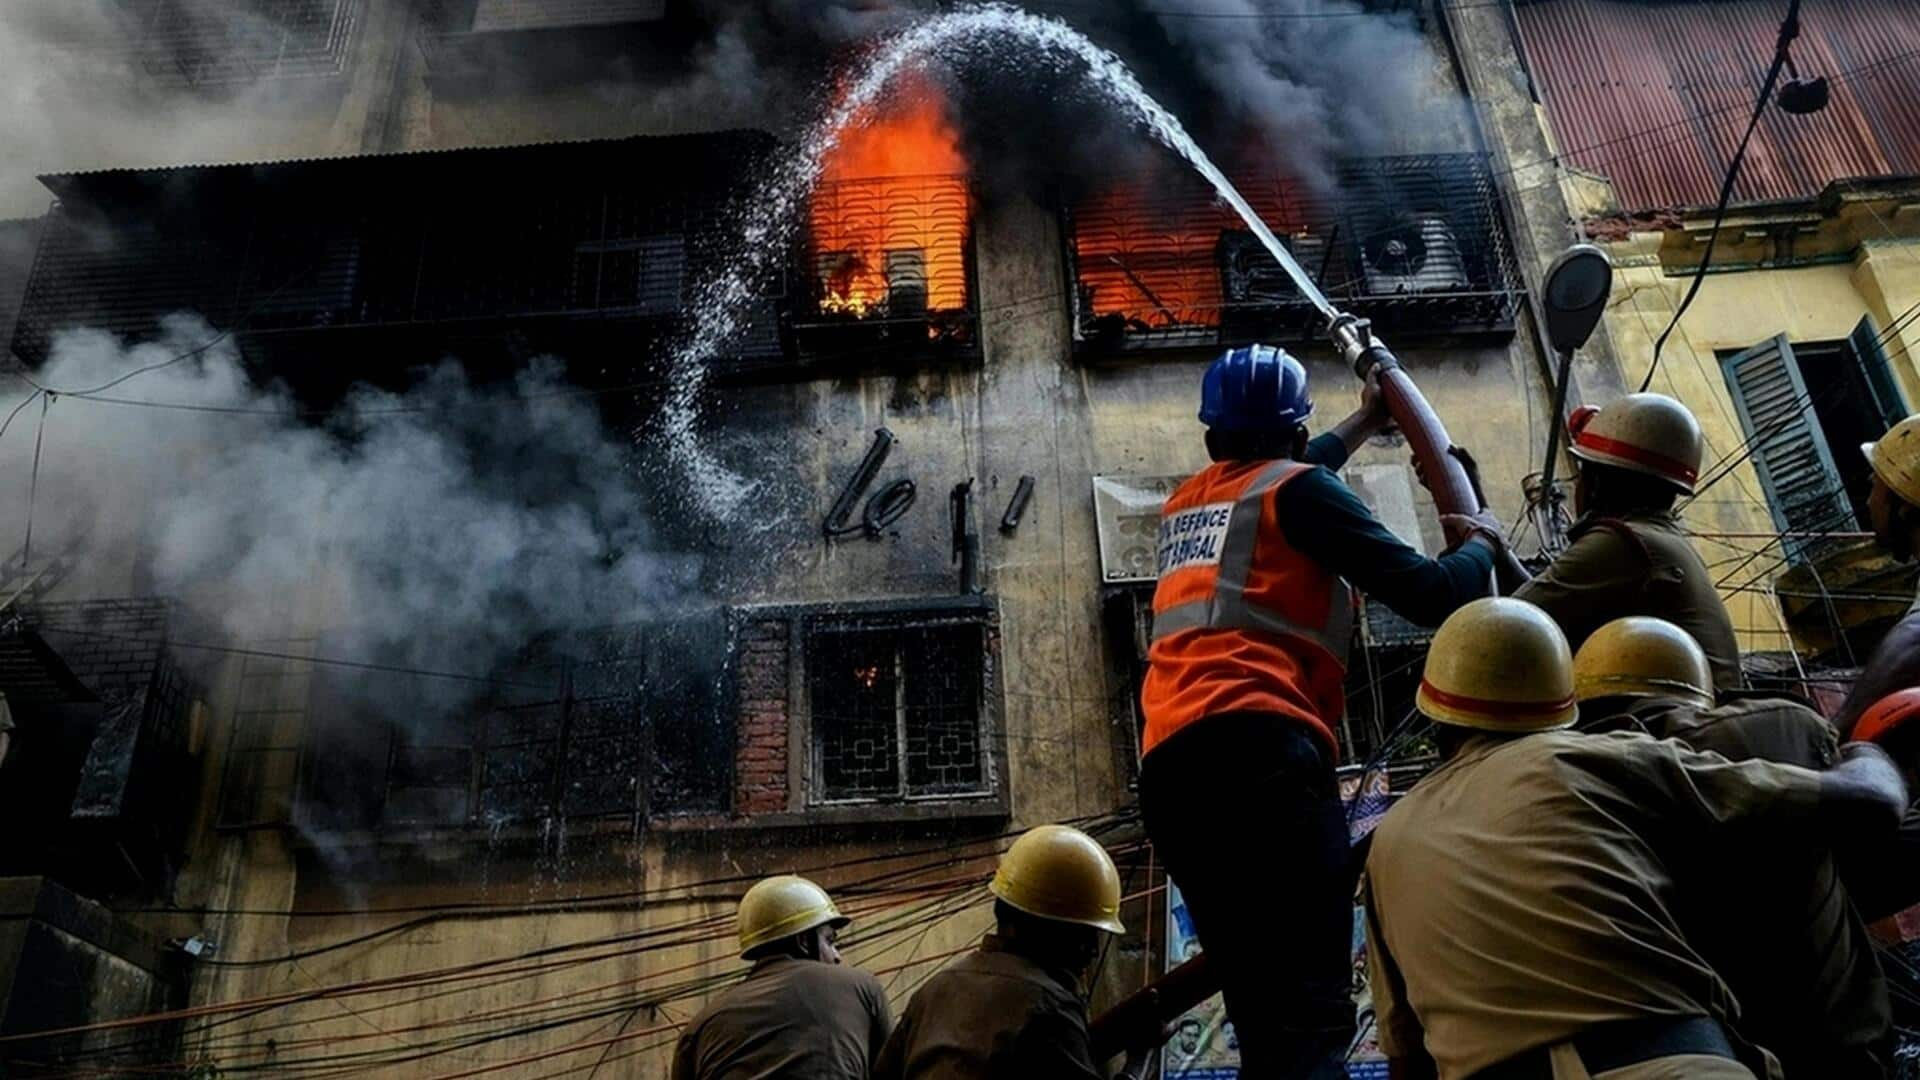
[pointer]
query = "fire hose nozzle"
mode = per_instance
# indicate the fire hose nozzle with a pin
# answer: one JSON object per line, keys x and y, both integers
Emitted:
{"x": 1353, "y": 336}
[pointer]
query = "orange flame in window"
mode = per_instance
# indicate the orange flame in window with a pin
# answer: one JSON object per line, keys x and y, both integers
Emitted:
{"x": 889, "y": 219}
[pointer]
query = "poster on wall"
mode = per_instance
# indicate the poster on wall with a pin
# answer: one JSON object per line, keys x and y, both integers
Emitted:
{"x": 1204, "y": 1046}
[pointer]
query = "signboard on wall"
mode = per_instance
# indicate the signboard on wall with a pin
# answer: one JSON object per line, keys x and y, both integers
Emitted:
{"x": 1126, "y": 509}
{"x": 1204, "y": 1045}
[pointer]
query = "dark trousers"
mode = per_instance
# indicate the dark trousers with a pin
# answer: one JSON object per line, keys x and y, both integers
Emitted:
{"x": 1882, "y": 872}
{"x": 1243, "y": 810}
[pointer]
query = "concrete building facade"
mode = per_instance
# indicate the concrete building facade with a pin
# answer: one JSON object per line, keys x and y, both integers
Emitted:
{"x": 537, "y": 878}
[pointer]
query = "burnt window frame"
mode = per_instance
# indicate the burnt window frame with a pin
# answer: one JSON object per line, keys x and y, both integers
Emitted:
{"x": 1467, "y": 180}
{"x": 882, "y": 616}
{"x": 820, "y": 338}
{"x": 543, "y": 708}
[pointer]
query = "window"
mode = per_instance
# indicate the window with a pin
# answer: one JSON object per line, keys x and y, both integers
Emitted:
{"x": 895, "y": 707}
{"x": 619, "y": 723}
{"x": 1410, "y": 242}
{"x": 888, "y": 266}
{"x": 1806, "y": 409}
{"x": 264, "y": 743}
{"x": 198, "y": 44}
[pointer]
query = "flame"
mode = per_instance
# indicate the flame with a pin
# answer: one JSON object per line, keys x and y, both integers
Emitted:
{"x": 1149, "y": 250}
{"x": 889, "y": 219}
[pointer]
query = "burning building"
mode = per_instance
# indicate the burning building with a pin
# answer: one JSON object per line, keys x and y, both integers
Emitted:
{"x": 493, "y": 721}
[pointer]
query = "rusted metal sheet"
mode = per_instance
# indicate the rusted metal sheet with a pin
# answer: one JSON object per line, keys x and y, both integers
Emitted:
{"x": 1655, "y": 96}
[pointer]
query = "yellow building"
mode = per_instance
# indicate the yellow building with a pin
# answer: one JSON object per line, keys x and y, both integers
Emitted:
{"x": 1796, "y": 349}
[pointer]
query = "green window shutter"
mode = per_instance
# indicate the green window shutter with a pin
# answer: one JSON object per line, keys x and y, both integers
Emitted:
{"x": 1870, "y": 354}
{"x": 1790, "y": 452}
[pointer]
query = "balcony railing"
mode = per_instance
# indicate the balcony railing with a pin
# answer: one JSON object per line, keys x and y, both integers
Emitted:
{"x": 1414, "y": 243}
{"x": 568, "y": 249}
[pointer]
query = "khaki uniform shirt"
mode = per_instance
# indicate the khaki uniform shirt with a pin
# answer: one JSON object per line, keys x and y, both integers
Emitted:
{"x": 994, "y": 1014}
{"x": 789, "y": 1018}
{"x": 1603, "y": 576}
{"x": 1524, "y": 892}
{"x": 1771, "y": 917}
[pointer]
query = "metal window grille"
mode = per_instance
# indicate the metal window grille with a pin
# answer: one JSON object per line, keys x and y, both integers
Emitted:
{"x": 208, "y": 42}
{"x": 562, "y": 237}
{"x": 549, "y": 14}
{"x": 580, "y": 754}
{"x": 265, "y": 744}
{"x": 888, "y": 263}
{"x": 613, "y": 723}
{"x": 1410, "y": 242}
{"x": 896, "y": 708}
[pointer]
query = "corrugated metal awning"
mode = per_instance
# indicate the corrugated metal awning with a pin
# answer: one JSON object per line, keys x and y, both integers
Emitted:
{"x": 1655, "y": 96}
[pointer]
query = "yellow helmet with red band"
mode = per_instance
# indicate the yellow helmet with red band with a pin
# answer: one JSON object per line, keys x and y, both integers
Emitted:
{"x": 1499, "y": 664}
{"x": 1896, "y": 459}
{"x": 1888, "y": 714}
{"x": 1644, "y": 433}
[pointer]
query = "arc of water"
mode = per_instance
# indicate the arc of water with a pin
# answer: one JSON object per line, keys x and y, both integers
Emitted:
{"x": 774, "y": 213}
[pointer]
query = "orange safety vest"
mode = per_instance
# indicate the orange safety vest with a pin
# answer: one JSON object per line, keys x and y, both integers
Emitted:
{"x": 1242, "y": 621}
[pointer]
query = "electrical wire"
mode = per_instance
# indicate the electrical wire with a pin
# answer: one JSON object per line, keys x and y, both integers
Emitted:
{"x": 1789, "y": 29}
{"x": 416, "y": 979}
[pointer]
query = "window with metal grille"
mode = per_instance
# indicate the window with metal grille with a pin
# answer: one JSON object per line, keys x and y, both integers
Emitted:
{"x": 619, "y": 724}
{"x": 586, "y": 248}
{"x": 888, "y": 264}
{"x": 206, "y": 42}
{"x": 1410, "y": 242}
{"x": 895, "y": 707}
{"x": 1806, "y": 409}
{"x": 265, "y": 742}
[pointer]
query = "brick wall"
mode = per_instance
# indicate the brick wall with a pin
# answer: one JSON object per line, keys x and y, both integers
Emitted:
{"x": 760, "y": 747}
{"x": 112, "y": 646}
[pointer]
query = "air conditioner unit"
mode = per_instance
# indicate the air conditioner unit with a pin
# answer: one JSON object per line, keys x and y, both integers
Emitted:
{"x": 1412, "y": 253}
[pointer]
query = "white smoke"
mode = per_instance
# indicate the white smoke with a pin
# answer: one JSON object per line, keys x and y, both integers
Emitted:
{"x": 446, "y": 526}
{"x": 74, "y": 95}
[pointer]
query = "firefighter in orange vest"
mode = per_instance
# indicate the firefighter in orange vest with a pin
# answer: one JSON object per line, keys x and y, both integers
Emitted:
{"x": 1259, "y": 555}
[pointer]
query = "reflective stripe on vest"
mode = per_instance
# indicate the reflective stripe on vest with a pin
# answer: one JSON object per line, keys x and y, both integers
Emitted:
{"x": 1229, "y": 609}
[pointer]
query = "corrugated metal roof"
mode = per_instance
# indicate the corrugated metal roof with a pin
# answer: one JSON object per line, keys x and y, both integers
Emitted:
{"x": 1655, "y": 97}
{"x": 65, "y": 184}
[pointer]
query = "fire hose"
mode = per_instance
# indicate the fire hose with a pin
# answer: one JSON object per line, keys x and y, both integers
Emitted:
{"x": 1143, "y": 1014}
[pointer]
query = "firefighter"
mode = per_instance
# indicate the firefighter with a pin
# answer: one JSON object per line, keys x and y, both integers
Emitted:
{"x": 1016, "y": 1007}
{"x": 1889, "y": 722}
{"x": 1882, "y": 874}
{"x": 1520, "y": 902}
{"x": 1894, "y": 507}
{"x": 1816, "y": 997}
{"x": 1258, "y": 556}
{"x": 799, "y": 1012}
{"x": 1628, "y": 554}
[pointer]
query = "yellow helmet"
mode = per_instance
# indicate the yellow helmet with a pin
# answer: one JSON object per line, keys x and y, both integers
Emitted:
{"x": 1896, "y": 459}
{"x": 1058, "y": 872}
{"x": 1640, "y": 656}
{"x": 780, "y": 907}
{"x": 1499, "y": 664}
{"x": 1646, "y": 433}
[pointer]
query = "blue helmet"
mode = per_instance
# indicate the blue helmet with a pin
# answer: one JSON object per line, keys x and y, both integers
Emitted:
{"x": 1255, "y": 388}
